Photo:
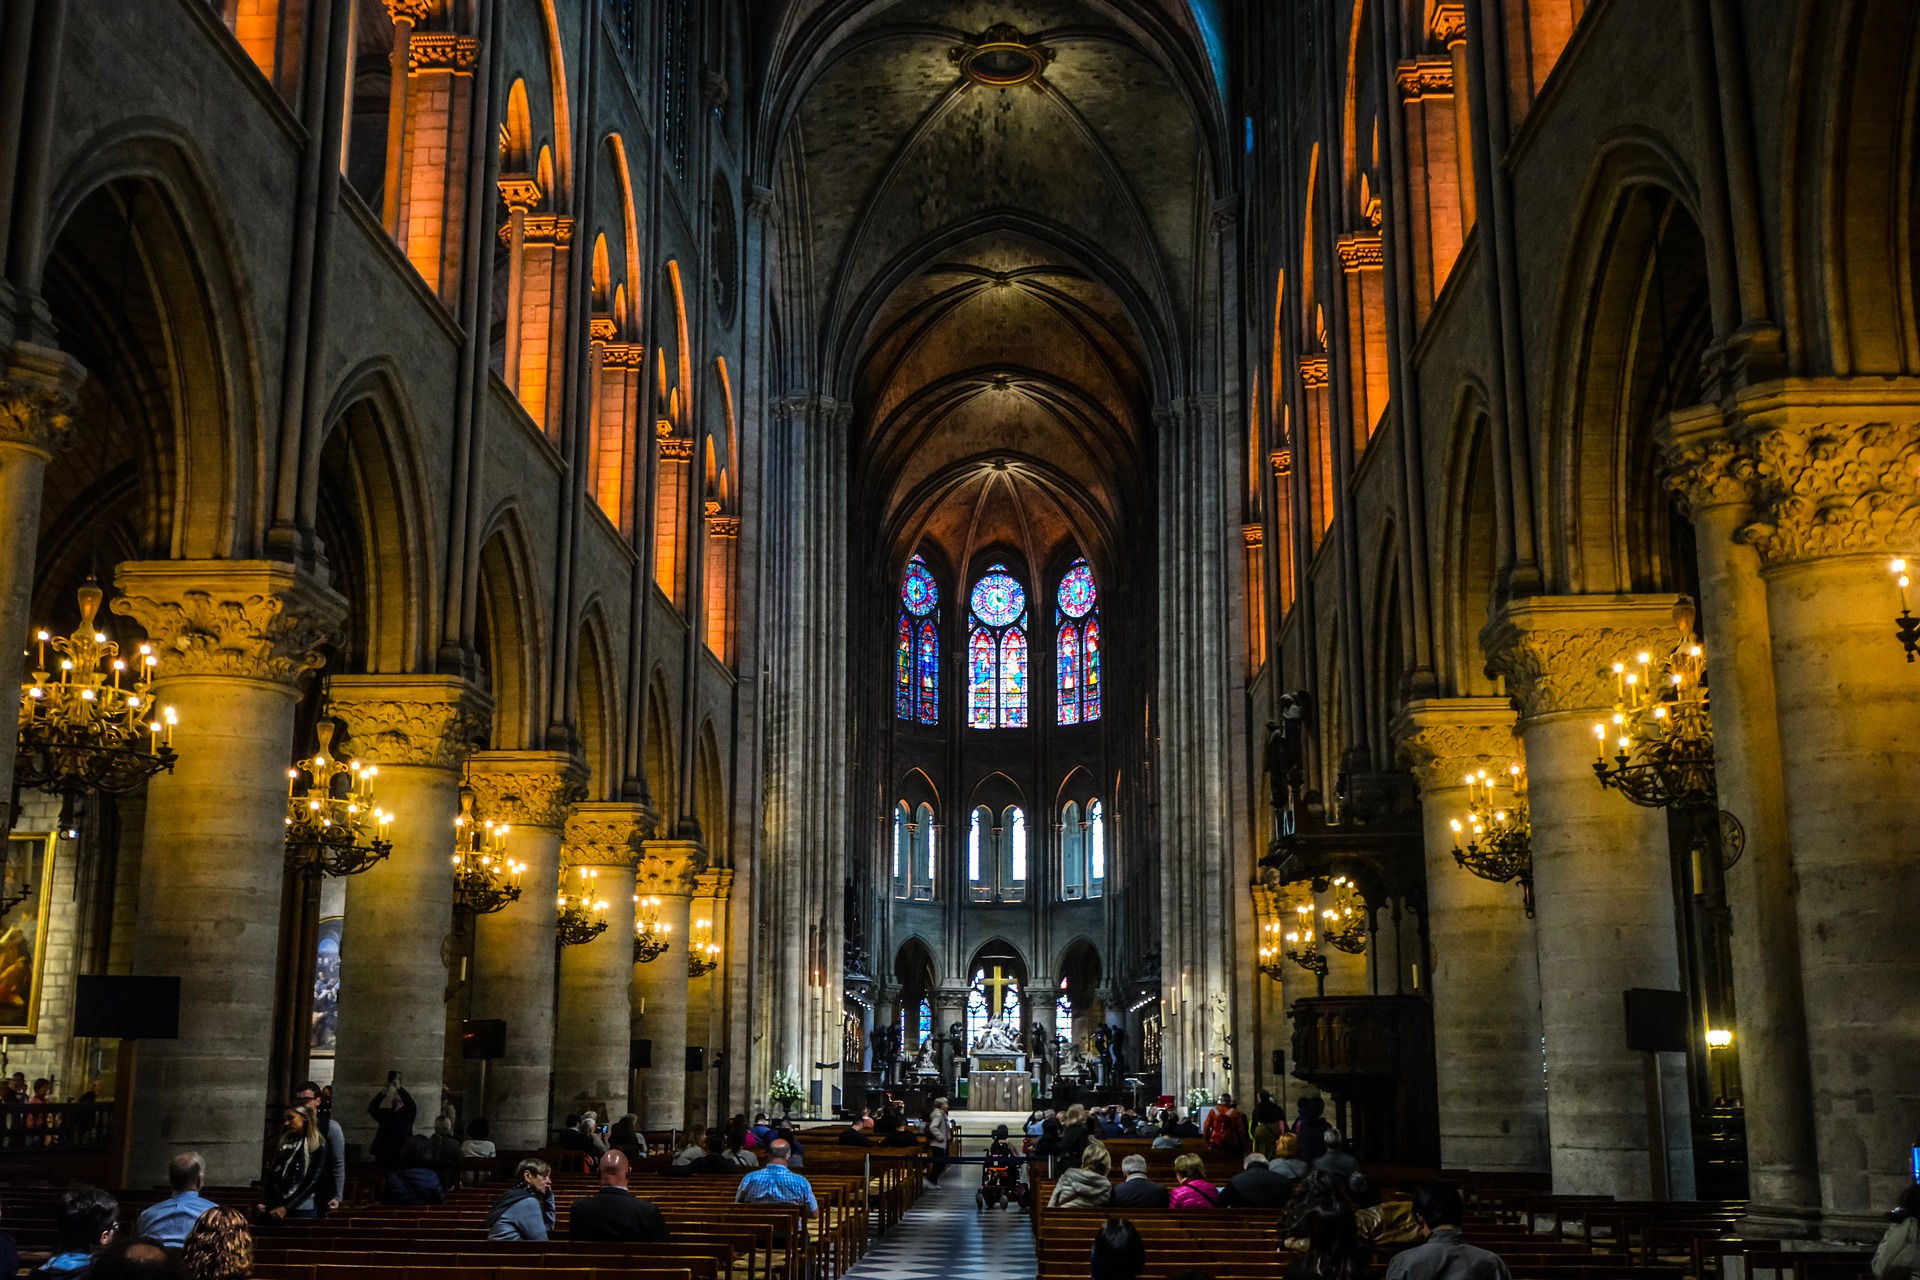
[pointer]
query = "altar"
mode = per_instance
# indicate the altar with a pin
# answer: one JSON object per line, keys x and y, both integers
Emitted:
{"x": 999, "y": 1090}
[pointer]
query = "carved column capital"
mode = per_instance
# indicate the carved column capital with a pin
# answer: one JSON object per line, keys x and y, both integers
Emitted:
{"x": 607, "y": 833}
{"x": 1557, "y": 652}
{"x": 1703, "y": 465}
{"x": 526, "y": 788}
{"x": 670, "y": 868}
{"x": 433, "y": 721}
{"x": 715, "y": 883}
{"x": 246, "y": 619}
{"x": 1441, "y": 740}
{"x": 1836, "y": 467}
{"x": 39, "y": 387}
{"x": 412, "y": 12}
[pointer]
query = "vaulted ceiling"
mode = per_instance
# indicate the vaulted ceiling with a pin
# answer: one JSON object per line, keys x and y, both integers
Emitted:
{"x": 1000, "y": 278}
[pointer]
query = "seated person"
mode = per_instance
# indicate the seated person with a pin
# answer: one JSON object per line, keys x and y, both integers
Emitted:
{"x": 1286, "y": 1158}
{"x": 1256, "y": 1186}
{"x": 777, "y": 1183}
{"x": 858, "y": 1134}
{"x": 525, "y": 1210}
{"x": 168, "y": 1222}
{"x": 613, "y": 1213}
{"x": 1191, "y": 1190}
{"x": 1087, "y": 1187}
{"x": 414, "y": 1182}
{"x": 479, "y": 1146}
{"x": 84, "y": 1227}
{"x": 716, "y": 1159}
{"x": 1138, "y": 1191}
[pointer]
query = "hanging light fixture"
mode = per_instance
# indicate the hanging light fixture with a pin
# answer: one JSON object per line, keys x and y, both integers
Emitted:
{"x": 582, "y": 917}
{"x": 1273, "y": 953}
{"x": 649, "y": 930}
{"x": 704, "y": 956}
{"x": 1499, "y": 837}
{"x": 485, "y": 879}
{"x": 1345, "y": 922}
{"x": 88, "y": 722}
{"x": 333, "y": 826}
{"x": 1906, "y": 626}
{"x": 1661, "y": 732}
{"x": 1301, "y": 947}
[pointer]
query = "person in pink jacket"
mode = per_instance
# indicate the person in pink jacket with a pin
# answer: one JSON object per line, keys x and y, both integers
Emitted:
{"x": 1192, "y": 1190}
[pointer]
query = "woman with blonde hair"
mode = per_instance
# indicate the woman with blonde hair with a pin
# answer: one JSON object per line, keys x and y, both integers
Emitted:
{"x": 1192, "y": 1190}
{"x": 295, "y": 1169}
{"x": 1087, "y": 1187}
{"x": 219, "y": 1247}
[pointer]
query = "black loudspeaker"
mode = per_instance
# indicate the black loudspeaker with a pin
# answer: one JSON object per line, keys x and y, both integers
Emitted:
{"x": 1656, "y": 1020}
{"x": 483, "y": 1039}
{"x": 639, "y": 1055}
{"x": 696, "y": 1058}
{"x": 1280, "y": 1062}
{"x": 113, "y": 1007}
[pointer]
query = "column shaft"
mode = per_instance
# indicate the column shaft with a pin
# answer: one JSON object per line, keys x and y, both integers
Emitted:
{"x": 591, "y": 1043}
{"x": 668, "y": 870}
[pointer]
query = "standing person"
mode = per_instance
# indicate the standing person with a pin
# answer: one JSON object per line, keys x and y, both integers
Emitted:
{"x": 1191, "y": 1190}
{"x": 310, "y": 1094}
{"x": 393, "y": 1113}
{"x": 1269, "y": 1122}
{"x": 525, "y": 1210}
{"x": 169, "y": 1222}
{"x": 614, "y": 1213}
{"x": 220, "y": 1247}
{"x": 1118, "y": 1252}
{"x": 939, "y": 1133}
{"x": 1073, "y": 1136}
{"x": 294, "y": 1173}
{"x": 1898, "y": 1257}
{"x": 87, "y": 1220}
{"x": 1227, "y": 1128}
{"x": 1309, "y": 1126}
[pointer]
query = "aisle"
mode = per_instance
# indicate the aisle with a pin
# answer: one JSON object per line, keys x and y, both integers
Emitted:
{"x": 945, "y": 1235}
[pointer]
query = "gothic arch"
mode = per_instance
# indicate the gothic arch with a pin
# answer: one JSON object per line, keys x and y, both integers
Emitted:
{"x": 598, "y": 701}
{"x": 1079, "y": 786}
{"x": 511, "y": 633}
{"x": 917, "y": 788}
{"x": 661, "y": 767}
{"x": 1470, "y": 547}
{"x": 710, "y": 797}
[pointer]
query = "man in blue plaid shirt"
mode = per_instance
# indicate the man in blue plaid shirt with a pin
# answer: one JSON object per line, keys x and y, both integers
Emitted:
{"x": 775, "y": 1183}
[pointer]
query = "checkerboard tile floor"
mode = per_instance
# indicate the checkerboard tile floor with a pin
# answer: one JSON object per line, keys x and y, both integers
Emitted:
{"x": 945, "y": 1235}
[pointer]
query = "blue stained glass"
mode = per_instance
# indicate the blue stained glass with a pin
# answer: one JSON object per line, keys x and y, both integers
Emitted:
{"x": 980, "y": 679}
{"x": 918, "y": 591}
{"x": 903, "y": 674}
{"x": 1090, "y": 692}
{"x": 997, "y": 598}
{"x": 1013, "y": 679}
{"x": 1069, "y": 674}
{"x": 1077, "y": 593}
{"x": 927, "y": 671}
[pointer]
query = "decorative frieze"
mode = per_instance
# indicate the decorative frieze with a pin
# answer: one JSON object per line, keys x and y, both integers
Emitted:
{"x": 1557, "y": 652}
{"x": 431, "y": 722}
{"x": 247, "y": 619}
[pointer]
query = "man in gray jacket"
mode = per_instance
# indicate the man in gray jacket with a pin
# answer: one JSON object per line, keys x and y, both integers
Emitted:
{"x": 1445, "y": 1256}
{"x": 525, "y": 1211}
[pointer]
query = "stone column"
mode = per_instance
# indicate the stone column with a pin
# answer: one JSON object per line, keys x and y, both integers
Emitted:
{"x": 1603, "y": 890}
{"x": 399, "y": 915}
{"x": 513, "y": 960}
{"x": 949, "y": 1007}
{"x": 1485, "y": 982}
{"x": 1837, "y": 492}
{"x": 705, "y": 1004}
{"x": 669, "y": 870}
{"x": 234, "y": 639}
{"x": 37, "y": 391}
{"x": 1770, "y": 1027}
{"x": 591, "y": 1042}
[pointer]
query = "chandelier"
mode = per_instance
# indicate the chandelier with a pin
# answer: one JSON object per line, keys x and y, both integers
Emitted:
{"x": 649, "y": 931}
{"x": 1301, "y": 947}
{"x": 87, "y": 723}
{"x": 1272, "y": 951}
{"x": 582, "y": 917}
{"x": 333, "y": 826}
{"x": 1345, "y": 922}
{"x": 485, "y": 879}
{"x": 1499, "y": 838}
{"x": 703, "y": 957}
{"x": 1660, "y": 730}
{"x": 1906, "y": 626}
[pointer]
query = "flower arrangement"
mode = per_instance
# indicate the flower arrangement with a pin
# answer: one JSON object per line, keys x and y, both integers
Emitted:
{"x": 786, "y": 1088}
{"x": 1198, "y": 1097}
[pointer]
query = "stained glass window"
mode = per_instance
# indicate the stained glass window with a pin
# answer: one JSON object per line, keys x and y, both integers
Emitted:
{"x": 926, "y": 1021}
{"x": 1017, "y": 826}
{"x": 1077, "y": 670}
{"x": 1096, "y": 849}
{"x": 997, "y": 652}
{"x": 916, "y": 695}
{"x": 923, "y": 864}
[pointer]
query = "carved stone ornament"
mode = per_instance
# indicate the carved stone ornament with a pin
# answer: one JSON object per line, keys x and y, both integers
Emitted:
{"x": 430, "y": 721}
{"x": 670, "y": 868}
{"x": 1827, "y": 481}
{"x": 413, "y": 12}
{"x": 606, "y": 834}
{"x": 1441, "y": 740}
{"x": 1448, "y": 22}
{"x": 548, "y": 229}
{"x": 38, "y": 390}
{"x": 1557, "y": 652}
{"x": 1360, "y": 251}
{"x": 677, "y": 449}
{"x": 1425, "y": 78}
{"x": 443, "y": 51}
{"x": 246, "y": 619}
{"x": 1701, "y": 463}
{"x": 526, "y": 788}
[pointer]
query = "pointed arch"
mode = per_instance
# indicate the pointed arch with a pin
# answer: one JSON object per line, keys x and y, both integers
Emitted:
{"x": 710, "y": 797}
{"x": 510, "y": 635}
{"x": 661, "y": 767}
{"x": 598, "y": 699}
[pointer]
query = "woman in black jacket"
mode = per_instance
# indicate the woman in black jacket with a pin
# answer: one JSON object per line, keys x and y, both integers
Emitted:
{"x": 294, "y": 1173}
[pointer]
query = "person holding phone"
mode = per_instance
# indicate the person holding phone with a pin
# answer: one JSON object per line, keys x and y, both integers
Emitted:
{"x": 393, "y": 1113}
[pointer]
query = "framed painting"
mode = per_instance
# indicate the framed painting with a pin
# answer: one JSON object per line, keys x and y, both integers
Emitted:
{"x": 26, "y": 876}
{"x": 326, "y": 990}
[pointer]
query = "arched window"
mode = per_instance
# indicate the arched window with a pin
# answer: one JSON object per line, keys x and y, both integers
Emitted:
{"x": 997, "y": 652}
{"x": 1073, "y": 853}
{"x": 1096, "y": 849}
{"x": 1063, "y": 1015}
{"x": 980, "y": 997}
{"x": 1014, "y": 887}
{"x": 913, "y": 852}
{"x": 1077, "y": 620}
{"x": 901, "y": 853}
{"x": 926, "y": 1022}
{"x": 997, "y": 855}
{"x": 980, "y": 855}
{"x": 916, "y": 663}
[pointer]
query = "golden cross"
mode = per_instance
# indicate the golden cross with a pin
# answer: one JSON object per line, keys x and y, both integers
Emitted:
{"x": 999, "y": 983}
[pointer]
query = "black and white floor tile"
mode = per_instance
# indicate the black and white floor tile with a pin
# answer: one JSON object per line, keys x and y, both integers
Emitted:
{"x": 946, "y": 1235}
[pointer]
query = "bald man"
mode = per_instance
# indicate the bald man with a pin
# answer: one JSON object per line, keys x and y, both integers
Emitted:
{"x": 613, "y": 1212}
